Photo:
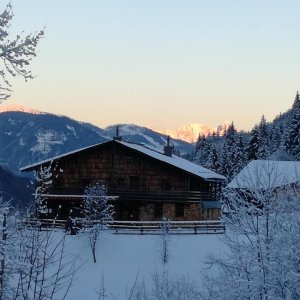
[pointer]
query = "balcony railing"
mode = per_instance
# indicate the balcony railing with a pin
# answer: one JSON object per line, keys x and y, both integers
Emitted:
{"x": 142, "y": 195}
{"x": 165, "y": 196}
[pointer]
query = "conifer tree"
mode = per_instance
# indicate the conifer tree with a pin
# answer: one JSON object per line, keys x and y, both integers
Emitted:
{"x": 230, "y": 135}
{"x": 292, "y": 137}
{"x": 275, "y": 138}
{"x": 202, "y": 151}
{"x": 240, "y": 157}
{"x": 197, "y": 147}
{"x": 253, "y": 146}
{"x": 228, "y": 152}
{"x": 224, "y": 162}
{"x": 213, "y": 160}
{"x": 263, "y": 139}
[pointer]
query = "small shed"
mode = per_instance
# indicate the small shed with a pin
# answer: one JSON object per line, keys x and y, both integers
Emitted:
{"x": 267, "y": 174}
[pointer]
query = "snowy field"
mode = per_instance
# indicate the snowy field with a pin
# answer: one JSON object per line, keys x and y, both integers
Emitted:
{"x": 123, "y": 258}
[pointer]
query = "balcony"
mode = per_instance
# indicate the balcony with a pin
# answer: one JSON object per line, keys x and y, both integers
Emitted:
{"x": 141, "y": 195}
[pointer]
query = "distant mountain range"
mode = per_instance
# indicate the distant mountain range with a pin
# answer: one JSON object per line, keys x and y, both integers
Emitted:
{"x": 28, "y": 136}
{"x": 190, "y": 132}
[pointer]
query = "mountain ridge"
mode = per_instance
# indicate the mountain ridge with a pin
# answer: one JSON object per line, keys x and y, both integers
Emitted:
{"x": 28, "y": 137}
{"x": 188, "y": 132}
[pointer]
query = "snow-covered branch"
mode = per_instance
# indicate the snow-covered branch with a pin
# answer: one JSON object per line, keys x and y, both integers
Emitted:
{"x": 262, "y": 240}
{"x": 97, "y": 210}
{"x": 15, "y": 53}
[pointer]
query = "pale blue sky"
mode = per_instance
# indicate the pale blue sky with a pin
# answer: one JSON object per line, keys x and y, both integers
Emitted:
{"x": 162, "y": 63}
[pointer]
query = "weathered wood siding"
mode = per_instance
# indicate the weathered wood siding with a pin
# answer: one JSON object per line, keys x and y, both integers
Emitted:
{"x": 116, "y": 166}
{"x": 123, "y": 169}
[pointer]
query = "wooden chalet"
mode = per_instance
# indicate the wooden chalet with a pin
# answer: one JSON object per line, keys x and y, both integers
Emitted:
{"x": 144, "y": 184}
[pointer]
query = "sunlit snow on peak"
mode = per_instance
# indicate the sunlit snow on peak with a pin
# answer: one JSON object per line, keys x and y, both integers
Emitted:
{"x": 18, "y": 107}
{"x": 190, "y": 132}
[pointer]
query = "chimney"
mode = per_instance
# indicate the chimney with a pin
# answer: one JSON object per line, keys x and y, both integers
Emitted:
{"x": 117, "y": 137}
{"x": 168, "y": 150}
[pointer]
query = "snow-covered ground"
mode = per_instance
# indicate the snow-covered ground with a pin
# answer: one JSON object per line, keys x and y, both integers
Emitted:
{"x": 123, "y": 258}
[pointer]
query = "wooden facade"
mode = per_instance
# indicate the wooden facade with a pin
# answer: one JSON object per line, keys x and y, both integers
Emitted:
{"x": 142, "y": 186}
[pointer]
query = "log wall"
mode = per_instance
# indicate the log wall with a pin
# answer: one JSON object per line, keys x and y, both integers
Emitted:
{"x": 119, "y": 167}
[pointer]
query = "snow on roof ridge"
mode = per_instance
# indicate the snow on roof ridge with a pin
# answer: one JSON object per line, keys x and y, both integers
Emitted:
{"x": 174, "y": 160}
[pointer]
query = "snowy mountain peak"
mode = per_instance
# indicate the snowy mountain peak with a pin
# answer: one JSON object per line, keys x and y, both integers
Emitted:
{"x": 18, "y": 107}
{"x": 190, "y": 132}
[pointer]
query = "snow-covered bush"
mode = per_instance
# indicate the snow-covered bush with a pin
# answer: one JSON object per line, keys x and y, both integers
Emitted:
{"x": 44, "y": 179}
{"x": 97, "y": 211}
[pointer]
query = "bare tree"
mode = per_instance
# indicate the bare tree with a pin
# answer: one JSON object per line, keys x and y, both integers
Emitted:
{"x": 15, "y": 53}
{"x": 33, "y": 263}
{"x": 97, "y": 211}
{"x": 43, "y": 268}
{"x": 4, "y": 247}
{"x": 162, "y": 287}
{"x": 165, "y": 239}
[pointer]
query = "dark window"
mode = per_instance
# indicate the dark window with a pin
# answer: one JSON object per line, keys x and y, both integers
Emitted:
{"x": 85, "y": 182}
{"x": 121, "y": 182}
{"x": 134, "y": 182}
{"x": 158, "y": 210}
{"x": 128, "y": 160}
{"x": 165, "y": 185}
{"x": 179, "y": 210}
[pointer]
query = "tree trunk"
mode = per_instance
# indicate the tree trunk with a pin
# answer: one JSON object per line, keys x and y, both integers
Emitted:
{"x": 4, "y": 237}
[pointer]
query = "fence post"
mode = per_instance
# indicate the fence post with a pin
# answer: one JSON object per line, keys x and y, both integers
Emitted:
{"x": 195, "y": 229}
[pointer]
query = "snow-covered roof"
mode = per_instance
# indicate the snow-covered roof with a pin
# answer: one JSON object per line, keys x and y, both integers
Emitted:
{"x": 173, "y": 160}
{"x": 55, "y": 158}
{"x": 266, "y": 174}
{"x": 176, "y": 161}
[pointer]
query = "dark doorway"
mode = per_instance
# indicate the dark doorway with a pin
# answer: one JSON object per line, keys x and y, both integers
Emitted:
{"x": 128, "y": 211}
{"x": 158, "y": 211}
{"x": 179, "y": 210}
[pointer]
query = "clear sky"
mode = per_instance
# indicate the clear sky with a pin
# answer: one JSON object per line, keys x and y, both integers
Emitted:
{"x": 162, "y": 63}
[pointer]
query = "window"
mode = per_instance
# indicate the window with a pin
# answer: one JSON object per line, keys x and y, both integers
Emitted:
{"x": 134, "y": 182}
{"x": 179, "y": 210}
{"x": 121, "y": 182}
{"x": 85, "y": 182}
{"x": 165, "y": 185}
{"x": 158, "y": 210}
